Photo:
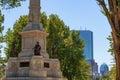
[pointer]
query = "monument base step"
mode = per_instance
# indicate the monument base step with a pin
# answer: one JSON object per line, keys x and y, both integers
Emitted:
{"x": 31, "y": 78}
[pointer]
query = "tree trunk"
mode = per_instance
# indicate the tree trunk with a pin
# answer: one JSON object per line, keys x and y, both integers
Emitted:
{"x": 116, "y": 43}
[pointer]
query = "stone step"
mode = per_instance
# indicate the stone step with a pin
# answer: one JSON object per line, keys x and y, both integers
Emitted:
{"x": 32, "y": 78}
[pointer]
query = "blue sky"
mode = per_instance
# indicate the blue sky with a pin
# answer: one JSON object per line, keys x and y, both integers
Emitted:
{"x": 77, "y": 14}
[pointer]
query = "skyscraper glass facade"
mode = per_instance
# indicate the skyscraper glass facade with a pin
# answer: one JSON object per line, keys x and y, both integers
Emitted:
{"x": 87, "y": 36}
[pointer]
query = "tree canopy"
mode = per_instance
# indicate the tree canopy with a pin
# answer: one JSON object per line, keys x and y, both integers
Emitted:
{"x": 8, "y": 4}
{"x": 2, "y": 60}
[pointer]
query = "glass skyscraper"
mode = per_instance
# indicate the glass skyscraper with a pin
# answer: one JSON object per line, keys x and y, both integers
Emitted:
{"x": 87, "y": 36}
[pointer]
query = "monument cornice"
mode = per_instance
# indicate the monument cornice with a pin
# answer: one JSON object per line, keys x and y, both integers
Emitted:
{"x": 34, "y": 31}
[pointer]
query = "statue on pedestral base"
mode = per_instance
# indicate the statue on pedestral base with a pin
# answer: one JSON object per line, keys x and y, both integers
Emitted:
{"x": 37, "y": 49}
{"x": 13, "y": 54}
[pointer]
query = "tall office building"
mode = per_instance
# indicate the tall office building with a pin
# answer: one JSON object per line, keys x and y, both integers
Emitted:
{"x": 87, "y": 36}
{"x": 95, "y": 70}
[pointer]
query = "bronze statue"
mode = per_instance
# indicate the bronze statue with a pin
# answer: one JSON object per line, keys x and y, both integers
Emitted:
{"x": 37, "y": 49}
{"x": 13, "y": 50}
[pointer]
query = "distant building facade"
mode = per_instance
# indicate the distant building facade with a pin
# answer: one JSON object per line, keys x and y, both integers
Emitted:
{"x": 87, "y": 36}
{"x": 95, "y": 70}
{"x": 103, "y": 69}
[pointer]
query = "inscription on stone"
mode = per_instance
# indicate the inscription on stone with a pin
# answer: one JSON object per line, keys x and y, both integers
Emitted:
{"x": 24, "y": 64}
{"x": 46, "y": 65}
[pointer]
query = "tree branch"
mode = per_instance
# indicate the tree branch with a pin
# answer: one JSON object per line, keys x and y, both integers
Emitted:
{"x": 103, "y": 5}
{"x": 111, "y": 7}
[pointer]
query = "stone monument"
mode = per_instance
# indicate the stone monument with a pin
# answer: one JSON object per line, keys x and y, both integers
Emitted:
{"x": 28, "y": 65}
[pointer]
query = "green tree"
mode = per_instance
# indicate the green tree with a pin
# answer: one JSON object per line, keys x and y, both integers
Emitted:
{"x": 1, "y": 29}
{"x": 13, "y": 37}
{"x": 113, "y": 72}
{"x": 66, "y": 46}
{"x": 111, "y": 9}
{"x": 8, "y": 4}
{"x": 2, "y": 60}
{"x": 73, "y": 63}
{"x": 111, "y": 50}
{"x": 82, "y": 68}
{"x": 2, "y": 66}
{"x": 105, "y": 78}
{"x": 58, "y": 31}
{"x": 44, "y": 21}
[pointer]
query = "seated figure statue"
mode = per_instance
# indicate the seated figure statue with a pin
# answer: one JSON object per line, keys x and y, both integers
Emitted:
{"x": 37, "y": 49}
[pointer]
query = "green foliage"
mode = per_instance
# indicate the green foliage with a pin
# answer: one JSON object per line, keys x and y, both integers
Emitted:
{"x": 113, "y": 72}
{"x": 7, "y": 4}
{"x": 13, "y": 36}
{"x": 2, "y": 60}
{"x": 73, "y": 63}
{"x": 111, "y": 49}
{"x": 1, "y": 26}
{"x": 68, "y": 48}
{"x": 44, "y": 21}
{"x": 108, "y": 75}
{"x": 118, "y": 3}
{"x": 61, "y": 44}
{"x": 105, "y": 78}
{"x": 58, "y": 31}
{"x": 104, "y": 12}
{"x": 2, "y": 67}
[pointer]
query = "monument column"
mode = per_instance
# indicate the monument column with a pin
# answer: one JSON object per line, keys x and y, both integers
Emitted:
{"x": 34, "y": 12}
{"x": 33, "y": 32}
{"x": 34, "y": 16}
